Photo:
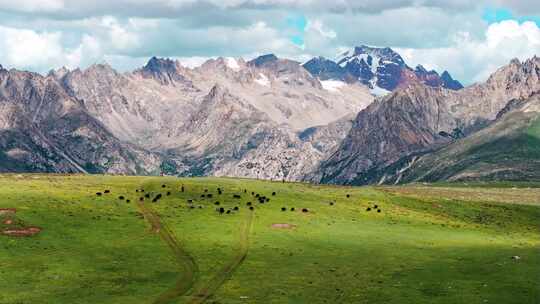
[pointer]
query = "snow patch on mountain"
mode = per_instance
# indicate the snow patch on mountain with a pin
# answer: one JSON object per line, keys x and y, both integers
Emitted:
{"x": 263, "y": 80}
{"x": 232, "y": 63}
{"x": 332, "y": 85}
{"x": 378, "y": 91}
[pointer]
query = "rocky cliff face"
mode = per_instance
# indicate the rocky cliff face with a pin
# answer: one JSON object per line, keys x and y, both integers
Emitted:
{"x": 44, "y": 129}
{"x": 508, "y": 149}
{"x": 419, "y": 119}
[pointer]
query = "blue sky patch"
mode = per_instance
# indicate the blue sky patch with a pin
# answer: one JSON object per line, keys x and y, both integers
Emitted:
{"x": 297, "y": 24}
{"x": 493, "y": 15}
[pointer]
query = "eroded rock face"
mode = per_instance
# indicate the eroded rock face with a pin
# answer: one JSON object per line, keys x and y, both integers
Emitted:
{"x": 419, "y": 118}
{"x": 227, "y": 117}
{"x": 44, "y": 129}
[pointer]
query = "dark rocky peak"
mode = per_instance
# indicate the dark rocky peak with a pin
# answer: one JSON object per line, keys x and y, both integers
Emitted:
{"x": 325, "y": 69}
{"x": 58, "y": 73}
{"x": 263, "y": 60}
{"x": 369, "y": 54}
{"x": 449, "y": 82}
{"x": 161, "y": 65}
{"x": 420, "y": 69}
{"x": 164, "y": 70}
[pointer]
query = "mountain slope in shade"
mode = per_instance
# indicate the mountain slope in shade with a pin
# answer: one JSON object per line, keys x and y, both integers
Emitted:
{"x": 508, "y": 149}
{"x": 419, "y": 119}
{"x": 381, "y": 69}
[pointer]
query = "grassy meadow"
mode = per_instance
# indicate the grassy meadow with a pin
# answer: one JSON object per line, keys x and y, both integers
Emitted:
{"x": 428, "y": 244}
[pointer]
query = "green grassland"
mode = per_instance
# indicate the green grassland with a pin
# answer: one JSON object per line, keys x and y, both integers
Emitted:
{"x": 436, "y": 244}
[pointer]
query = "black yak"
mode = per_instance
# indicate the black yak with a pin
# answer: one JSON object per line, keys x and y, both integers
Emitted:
{"x": 163, "y": 186}
{"x": 375, "y": 207}
{"x": 168, "y": 192}
{"x": 141, "y": 198}
{"x": 209, "y": 195}
{"x": 236, "y": 196}
{"x": 147, "y": 195}
{"x": 292, "y": 209}
{"x": 221, "y": 210}
{"x": 216, "y": 203}
{"x": 251, "y": 208}
{"x": 228, "y": 211}
{"x": 283, "y": 209}
{"x": 331, "y": 203}
{"x": 273, "y": 193}
{"x": 205, "y": 190}
{"x": 248, "y": 204}
{"x": 368, "y": 209}
{"x": 202, "y": 195}
{"x": 120, "y": 197}
{"x": 305, "y": 210}
{"x": 235, "y": 208}
{"x": 378, "y": 210}
{"x": 107, "y": 191}
{"x": 98, "y": 193}
{"x": 127, "y": 201}
{"x": 190, "y": 201}
{"x": 182, "y": 188}
{"x": 348, "y": 195}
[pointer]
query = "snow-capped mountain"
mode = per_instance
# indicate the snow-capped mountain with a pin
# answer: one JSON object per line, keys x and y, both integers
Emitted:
{"x": 381, "y": 69}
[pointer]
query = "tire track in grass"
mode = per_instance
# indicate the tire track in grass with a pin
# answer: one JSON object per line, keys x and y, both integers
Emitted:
{"x": 188, "y": 268}
{"x": 208, "y": 289}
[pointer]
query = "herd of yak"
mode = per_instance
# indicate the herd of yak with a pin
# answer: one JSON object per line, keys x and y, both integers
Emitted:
{"x": 206, "y": 195}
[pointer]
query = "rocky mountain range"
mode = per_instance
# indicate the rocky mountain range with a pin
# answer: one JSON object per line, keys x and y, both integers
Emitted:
{"x": 389, "y": 136}
{"x": 381, "y": 69}
{"x": 269, "y": 118}
{"x": 226, "y": 117}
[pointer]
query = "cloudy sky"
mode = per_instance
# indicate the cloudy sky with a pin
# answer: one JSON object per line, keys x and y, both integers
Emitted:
{"x": 468, "y": 38}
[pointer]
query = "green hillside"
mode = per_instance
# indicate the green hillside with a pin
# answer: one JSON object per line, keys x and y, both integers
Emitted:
{"x": 426, "y": 245}
{"x": 508, "y": 150}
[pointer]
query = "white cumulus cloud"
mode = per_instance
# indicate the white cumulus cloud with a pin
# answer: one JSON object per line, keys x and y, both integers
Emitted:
{"x": 473, "y": 60}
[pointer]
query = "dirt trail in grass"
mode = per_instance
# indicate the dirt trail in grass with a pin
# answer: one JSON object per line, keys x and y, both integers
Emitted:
{"x": 209, "y": 288}
{"x": 188, "y": 268}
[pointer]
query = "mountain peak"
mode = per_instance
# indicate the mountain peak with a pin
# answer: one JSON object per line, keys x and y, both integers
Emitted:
{"x": 325, "y": 69}
{"x": 164, "y": 70}
{"x": 262, "y": 60}
{"x": 157, "y": 65}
